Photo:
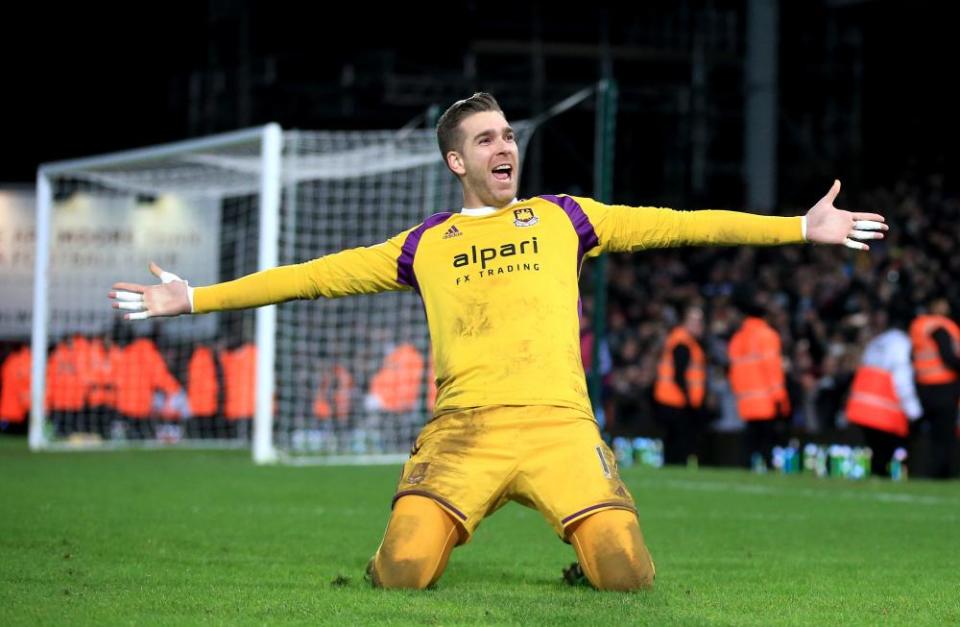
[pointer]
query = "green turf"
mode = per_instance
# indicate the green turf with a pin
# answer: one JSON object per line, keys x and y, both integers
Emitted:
{"x": 174, "y": 537}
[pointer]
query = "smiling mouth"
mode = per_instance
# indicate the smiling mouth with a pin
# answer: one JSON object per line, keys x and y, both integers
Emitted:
{"x": 503, "y": 172}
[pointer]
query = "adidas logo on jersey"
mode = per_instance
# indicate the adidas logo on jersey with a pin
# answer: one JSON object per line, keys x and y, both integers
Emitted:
{"x": 453, "y": 231}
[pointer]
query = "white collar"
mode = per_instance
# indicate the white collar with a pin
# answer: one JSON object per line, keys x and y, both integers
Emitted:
{"x": 482, "y": 211}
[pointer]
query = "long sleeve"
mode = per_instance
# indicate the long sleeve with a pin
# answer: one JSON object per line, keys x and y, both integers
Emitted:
{"x": 160, "y": 374}
{"x": 621, "y": 228}
{"x": 774, "y": 368}
{"x": 366, "y": 270}
{"x": 9, "y": 404}
{"x": 681, "y": 360}
{"x": 902, "y": 371}
{"x": 945, "y": 348}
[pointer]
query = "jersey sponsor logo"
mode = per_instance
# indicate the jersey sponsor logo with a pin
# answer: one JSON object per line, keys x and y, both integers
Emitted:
{"x": 453, "y": 231}
{"x": 488, "y": 255}
{"x": 524, "y": 216}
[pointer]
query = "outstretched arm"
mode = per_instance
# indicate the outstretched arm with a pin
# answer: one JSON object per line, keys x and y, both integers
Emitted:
{"x": 356, "y": 271}
{"x": 621, "y": 228}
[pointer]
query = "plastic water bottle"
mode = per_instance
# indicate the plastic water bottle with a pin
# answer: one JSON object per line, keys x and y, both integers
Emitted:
{"x": 656, "y": 453}
{"x": 794, "y": 459}
{"x": 641, "y": 451}
{"x": 810, "y": 452}
{"x": 846, "y": 462}
{"x": 822, "y": 459}
{"x": 778, "y": 459}
{"x": 118, "y": 430}
{"x": 856, "y": 466}
{"x": 793, "y": 456}
{"x": 898, "y": 465}
{"x": 758, "y": 464}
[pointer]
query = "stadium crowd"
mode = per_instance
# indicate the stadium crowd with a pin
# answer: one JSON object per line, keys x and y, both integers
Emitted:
{"x": 821, "y": 301}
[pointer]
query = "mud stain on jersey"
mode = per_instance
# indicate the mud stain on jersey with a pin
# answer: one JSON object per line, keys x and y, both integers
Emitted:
{"x": 474, "y": 322}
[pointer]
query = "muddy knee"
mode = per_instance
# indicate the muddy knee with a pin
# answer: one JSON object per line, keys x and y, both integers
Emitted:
{"x": 416, "y": 546}
{"x": 395, "y": 567}
{"x": 612, "y": 552}
{"x": 624, "y": 570}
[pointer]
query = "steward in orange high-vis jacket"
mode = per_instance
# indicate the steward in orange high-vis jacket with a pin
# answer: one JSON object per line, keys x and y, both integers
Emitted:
{"x": 756, "y": 376}
{"x": 680, "y": 387}
{"x": 883, "y": 399}
{"x": 936, "y": 364}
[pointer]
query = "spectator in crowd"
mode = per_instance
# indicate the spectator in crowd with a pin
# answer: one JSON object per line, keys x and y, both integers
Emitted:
{"x": 15, "y": 388}
{"x": 883, "y": 399}
{"x": 936, "y": 361}
{"x": 756, "y": 377}
{"x": 680, "y": 387}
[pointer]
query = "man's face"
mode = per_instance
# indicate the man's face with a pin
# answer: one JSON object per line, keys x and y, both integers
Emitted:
{"x": 489, "y": 162}
{"x": 694, "y": 322}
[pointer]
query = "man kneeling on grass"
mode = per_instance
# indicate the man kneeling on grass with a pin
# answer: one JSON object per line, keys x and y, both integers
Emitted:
{"x": 499, "y": 282}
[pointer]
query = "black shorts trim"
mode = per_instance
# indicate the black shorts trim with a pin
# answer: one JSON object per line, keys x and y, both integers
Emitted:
{"x": 443, "y": 502}
{"x": 610, "y": 504}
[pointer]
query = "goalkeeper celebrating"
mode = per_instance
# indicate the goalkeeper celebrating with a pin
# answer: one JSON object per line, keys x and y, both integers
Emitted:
{"x": 499, "y": 282}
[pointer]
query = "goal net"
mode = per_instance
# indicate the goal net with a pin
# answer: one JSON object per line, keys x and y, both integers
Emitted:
{"x": 194, "y": 208}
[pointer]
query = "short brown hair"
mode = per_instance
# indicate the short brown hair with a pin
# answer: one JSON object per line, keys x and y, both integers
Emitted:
{"x": 449, "y": 135}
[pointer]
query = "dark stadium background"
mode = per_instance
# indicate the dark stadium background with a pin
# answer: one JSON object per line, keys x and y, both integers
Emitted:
{"x": 865, "y": 89}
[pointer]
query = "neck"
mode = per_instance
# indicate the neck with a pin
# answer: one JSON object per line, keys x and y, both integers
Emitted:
{"x": 472, "y": 200}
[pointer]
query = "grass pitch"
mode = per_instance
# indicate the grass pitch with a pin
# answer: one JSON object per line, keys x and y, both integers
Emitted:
{"x": 185, "y": 537}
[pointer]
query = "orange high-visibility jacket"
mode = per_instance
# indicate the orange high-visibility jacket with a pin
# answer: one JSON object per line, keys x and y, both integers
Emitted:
{"x": 141, "y": 371}
{"x": 929, "y": 368}
{"x": 666, "y": 391}
{"x": 333, "y": 394}
{"x": 873, "y": 402}
{"x": 240, "y": 382}
{"x": 202, "y": 387}
{"x": 67, "y": 376}
{"x": 102, "y": 383}
{"x": 15, "y": 386}
{"x": 397, "y": 383}
{"x": 756, "y": 371}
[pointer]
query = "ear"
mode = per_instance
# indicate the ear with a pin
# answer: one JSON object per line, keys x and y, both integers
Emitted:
{"x": 455, "y": 163}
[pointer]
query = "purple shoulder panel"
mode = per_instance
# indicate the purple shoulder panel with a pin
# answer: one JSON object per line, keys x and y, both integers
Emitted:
{"x": 581, "y": 223}
{"x": 405, "y": 274}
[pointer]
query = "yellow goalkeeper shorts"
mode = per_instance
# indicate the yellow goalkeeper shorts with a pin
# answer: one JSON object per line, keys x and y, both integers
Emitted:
{"x": 549, "y": 458}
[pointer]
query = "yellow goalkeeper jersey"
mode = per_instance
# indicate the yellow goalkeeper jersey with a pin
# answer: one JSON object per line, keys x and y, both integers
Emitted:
{"x": 501, "y": 290}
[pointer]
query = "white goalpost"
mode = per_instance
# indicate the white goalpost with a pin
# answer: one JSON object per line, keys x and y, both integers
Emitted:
{"x": 331, "y": 381}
